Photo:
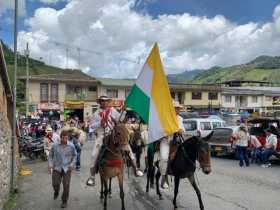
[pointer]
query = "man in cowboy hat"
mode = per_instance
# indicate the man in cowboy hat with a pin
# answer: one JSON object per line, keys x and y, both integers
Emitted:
{"x": 49, "y": 139}
{"x": 165, "y": 146}
{"x": 103, "y": 121}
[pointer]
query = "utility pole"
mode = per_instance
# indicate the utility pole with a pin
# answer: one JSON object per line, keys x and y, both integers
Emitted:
{"x": 79, "y": 58}
{"x": 67, "y": 51}
{"x": 27, "y": 80}
{"x": 14, "y": 134}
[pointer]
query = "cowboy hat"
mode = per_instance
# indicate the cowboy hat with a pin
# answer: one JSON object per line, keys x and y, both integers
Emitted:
{"x": 104, "y": 98}
{"x": 176, "y": 104}
{"x": 48, "y": 129}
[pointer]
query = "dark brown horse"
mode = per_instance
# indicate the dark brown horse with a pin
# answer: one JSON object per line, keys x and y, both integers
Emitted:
{"x": 184, "y": 165}
{"x": 112, "y": 163}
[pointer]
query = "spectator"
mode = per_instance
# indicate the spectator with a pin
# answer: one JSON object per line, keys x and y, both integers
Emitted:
{"x": 76, "y": 141}
{"x": 270, "y": 146}
{"x": 61, "y": 162}
{"x": 242, "y": 138}
{"x": 256, "y": 149}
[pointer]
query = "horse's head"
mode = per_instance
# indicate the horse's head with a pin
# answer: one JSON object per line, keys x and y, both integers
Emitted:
{"x": 204, "y": 156}
{"x": 121, "y": 134}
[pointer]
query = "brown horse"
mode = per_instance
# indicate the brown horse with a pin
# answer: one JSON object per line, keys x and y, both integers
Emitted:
{"x": 112, "y": 163}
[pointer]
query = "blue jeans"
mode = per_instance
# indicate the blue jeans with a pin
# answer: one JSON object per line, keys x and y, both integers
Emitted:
{"x": 78, "y": 160}
{"x": 256, "y": 154}
{"x": 242, "y": 155}
{"x": 266, "y": 154}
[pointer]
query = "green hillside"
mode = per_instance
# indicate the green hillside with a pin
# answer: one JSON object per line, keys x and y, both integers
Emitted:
{"x": 263, "y": 68}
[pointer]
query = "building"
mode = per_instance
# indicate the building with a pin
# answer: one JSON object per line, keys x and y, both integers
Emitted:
{"x": 251, "y": 98}
{"x": 117, "y": 89}
{"x": 58, "y": 96}
{"x": 6, "y": 105}
{"x": 197, "y": 97}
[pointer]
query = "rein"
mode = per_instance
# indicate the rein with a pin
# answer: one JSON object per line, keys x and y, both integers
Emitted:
{"x": 181, "y": 141}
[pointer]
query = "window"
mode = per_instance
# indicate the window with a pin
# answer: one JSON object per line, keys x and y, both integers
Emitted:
{"x": 92, "y": 88}
{"x": 254, "y": 99}
{"x": 196, "y": 95}
{"x": 213, "y": 96}
{"x": 54, "y": 92}
{"x": 228, "y": 99}
{"x": 72, "y": 89}
{"x": 205, "y": 126}
{"x": 190, "y": 125}
{"x": 112, "y": 93}
{"x": 44, "y": 92}
{"x": 216, "y": 124}
{"x": 127, "y": 92}
{"x": 268, "y": 98}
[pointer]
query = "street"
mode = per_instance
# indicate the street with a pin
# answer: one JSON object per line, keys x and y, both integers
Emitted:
{"x": 228, "y": 187}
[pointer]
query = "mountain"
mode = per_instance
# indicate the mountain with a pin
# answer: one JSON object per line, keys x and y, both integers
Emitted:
{"x": 263, "y": 68}
{"x": 183, "y": 77}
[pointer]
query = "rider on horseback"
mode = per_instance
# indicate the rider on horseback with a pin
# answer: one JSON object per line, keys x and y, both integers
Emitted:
{"x": 103, "y": 122}
{"x": 165, "y": 147}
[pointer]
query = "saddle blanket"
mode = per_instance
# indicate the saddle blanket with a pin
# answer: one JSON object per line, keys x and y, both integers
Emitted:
{"x": 114, "y": 163}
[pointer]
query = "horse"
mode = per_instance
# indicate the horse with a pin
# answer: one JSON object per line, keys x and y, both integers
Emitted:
{"x": 184, "y": 165}
{"x": 111, "y": 163}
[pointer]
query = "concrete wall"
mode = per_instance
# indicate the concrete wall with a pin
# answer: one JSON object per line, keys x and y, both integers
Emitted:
{"x": 5, "y": 145}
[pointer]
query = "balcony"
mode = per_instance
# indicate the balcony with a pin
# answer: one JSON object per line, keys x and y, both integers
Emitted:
{"x": 88, "y": 96}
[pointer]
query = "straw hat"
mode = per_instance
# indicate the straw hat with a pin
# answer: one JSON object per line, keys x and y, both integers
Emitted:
{"x": 48, "y": 129}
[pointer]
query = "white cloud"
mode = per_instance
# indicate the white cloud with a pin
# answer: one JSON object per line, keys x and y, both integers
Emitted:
{"x": 51, "y": 1}
{"x": 110, "y": 34}
{"x": 10, "y": 5}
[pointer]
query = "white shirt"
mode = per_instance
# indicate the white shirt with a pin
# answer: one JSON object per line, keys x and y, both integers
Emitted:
{"x": 242, "y": 139}
{"x": 271, "y": 141}
{"x": 180, "y": 123}
{"x": 95, "y": 124}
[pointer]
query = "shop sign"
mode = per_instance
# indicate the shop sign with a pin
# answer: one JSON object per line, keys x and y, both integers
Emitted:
{"x": 74, "y": 105}
{"x": 49, "y": 106}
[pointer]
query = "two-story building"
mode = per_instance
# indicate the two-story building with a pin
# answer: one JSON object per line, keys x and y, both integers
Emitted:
{"x": 250, "y": 98}
{"x": 117, "y": 89}
{"x": 61, "y": 95}
{"x": 197, "y": 97}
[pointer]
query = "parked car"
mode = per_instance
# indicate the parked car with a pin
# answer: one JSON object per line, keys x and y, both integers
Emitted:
{"x": 201, "y": 127}
{"x": 221, "y": 141}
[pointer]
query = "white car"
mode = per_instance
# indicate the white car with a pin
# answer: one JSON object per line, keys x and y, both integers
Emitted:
{"x": 201, "y": 127}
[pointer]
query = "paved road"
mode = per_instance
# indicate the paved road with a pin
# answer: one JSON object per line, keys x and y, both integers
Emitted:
{"x": 228, "y": 187}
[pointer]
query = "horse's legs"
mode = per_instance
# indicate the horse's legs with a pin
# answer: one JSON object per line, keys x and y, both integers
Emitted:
{"x": 157, "y": 183}
{"x": 193, "y": 183}
{"x": 110, "y": 187}
{"x": 148, "y": 180}
{"x": 120, "y": 178}
{"x": 105, "y": 183}
{"x": 101, "y": 191}
{"x": 176, "y": 188}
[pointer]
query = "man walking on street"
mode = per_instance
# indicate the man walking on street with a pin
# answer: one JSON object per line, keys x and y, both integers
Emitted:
{"x": 62, "y": 160}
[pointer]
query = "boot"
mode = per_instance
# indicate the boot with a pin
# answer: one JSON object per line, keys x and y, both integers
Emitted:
{"x": 91, "y": 179}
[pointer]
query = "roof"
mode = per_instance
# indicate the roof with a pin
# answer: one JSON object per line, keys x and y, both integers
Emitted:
{"x": 4, "y": 73}
{"x": 116, "y": 82}
{"x": 68, "y": 76}
{"x": 252, "y": 90}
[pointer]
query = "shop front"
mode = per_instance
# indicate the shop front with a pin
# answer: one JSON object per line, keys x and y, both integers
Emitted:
{"x": 74, "y": 109}
{"x": 49, "y": 110}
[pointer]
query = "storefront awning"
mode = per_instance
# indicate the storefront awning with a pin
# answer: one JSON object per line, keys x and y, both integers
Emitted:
{"x": 74, "y": 104}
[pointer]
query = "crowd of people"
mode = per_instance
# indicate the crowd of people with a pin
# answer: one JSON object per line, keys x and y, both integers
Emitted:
{"x": 63, "y": 143}
{"x": 249, "y": 145}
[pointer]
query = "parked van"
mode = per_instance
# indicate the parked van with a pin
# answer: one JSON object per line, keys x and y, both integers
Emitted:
{"x": 201, "y": 126}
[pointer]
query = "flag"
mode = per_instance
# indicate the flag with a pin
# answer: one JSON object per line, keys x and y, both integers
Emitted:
{"x": 150, "y": 98}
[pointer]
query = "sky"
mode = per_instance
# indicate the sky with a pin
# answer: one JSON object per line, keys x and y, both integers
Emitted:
{"x": 112, "y": 38}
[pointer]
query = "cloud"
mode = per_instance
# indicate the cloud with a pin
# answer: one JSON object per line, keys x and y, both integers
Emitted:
{"x": 109, "y": 38}
{"x": 51, "y": 1}
{"x": 6, "y": 5}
